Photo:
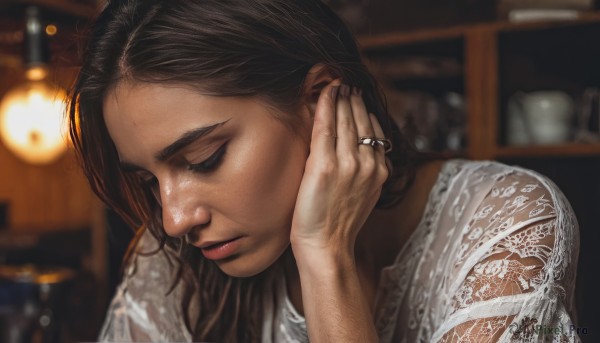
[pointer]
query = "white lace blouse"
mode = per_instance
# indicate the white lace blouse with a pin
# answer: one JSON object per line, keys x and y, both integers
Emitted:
{"x": 493, "y": 259}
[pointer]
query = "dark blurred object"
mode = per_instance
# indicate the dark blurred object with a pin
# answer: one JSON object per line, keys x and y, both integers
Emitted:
{"x": 4, "y": 207}
{"x": 46, "y": 247}
{"x": 431, "y": 123}
{"x": 418, "y": 115}
{"x": 56, "y": 9}
{"x": 377, "y": 16}
{"x": 351, "y": 11}
{"x": 588, "y": 117}
{"x": 119, "y": 236}
{"x": 32, "y": 303}
{"x": 411, "y": 67}
{"x": 49, "y": 249}
{"x": 66, "y": 17}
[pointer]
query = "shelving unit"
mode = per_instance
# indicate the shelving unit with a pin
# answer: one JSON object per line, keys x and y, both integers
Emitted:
{"x": 486, "y": 53}
{"x": 571, "y": 149}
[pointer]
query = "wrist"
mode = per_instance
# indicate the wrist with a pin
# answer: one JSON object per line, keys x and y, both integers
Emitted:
{"x": 315, "y": 258}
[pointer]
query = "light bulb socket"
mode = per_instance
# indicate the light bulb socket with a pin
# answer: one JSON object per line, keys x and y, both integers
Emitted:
{"x": 36, "y": 48}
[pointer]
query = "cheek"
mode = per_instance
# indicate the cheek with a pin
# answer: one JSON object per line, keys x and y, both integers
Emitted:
{"x": 270, "y": 173}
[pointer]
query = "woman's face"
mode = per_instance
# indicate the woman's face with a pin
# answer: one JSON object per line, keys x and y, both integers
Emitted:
{"x": 240, "y": 179}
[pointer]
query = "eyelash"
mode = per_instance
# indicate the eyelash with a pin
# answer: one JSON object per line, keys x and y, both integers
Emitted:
{"x": 211, "y": 163}
{"x": 206, "y": 166}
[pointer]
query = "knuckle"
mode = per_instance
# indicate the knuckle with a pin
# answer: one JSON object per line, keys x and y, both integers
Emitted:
{"x": 349, "y": 165}
{"x": 323, "y": 169}
{"x": 326, "y": 168}
{"x": 368, "y": 167}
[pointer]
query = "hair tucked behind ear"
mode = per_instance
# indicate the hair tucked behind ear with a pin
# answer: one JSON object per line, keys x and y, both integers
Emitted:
{"x": 258, "y": 48}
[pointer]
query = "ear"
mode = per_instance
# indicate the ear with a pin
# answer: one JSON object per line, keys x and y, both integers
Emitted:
{"x": 316, "y": 79}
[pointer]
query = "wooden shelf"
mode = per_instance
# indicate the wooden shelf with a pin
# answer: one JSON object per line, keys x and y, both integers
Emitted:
{"x": 459, "y": 31}
{"x": 481, "y": 52}
{"x": 408, "y": 37}
{"x": 572, "y": 149}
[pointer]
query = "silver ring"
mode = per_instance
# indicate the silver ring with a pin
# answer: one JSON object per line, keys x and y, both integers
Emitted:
{"x": 374, "y": 141}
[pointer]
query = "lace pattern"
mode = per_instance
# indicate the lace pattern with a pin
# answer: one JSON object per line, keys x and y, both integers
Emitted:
{"x": 505, "y": 251}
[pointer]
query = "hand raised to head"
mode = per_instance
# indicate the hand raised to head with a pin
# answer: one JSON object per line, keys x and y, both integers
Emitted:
{"x": 343, "y": 179}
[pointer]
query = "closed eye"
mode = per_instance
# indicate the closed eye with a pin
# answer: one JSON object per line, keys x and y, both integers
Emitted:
{"x": 150, "y": 182}
{"x": 211, "y": 163}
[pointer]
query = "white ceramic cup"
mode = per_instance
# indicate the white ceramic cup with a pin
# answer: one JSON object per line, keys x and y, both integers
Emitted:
{"x": 541, "y": 117}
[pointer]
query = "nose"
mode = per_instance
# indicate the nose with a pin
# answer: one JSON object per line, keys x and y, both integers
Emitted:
{"x": 182, "y": 210}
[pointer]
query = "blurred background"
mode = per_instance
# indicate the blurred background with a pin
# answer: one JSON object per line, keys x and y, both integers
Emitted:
{"x": 508, "y": 80}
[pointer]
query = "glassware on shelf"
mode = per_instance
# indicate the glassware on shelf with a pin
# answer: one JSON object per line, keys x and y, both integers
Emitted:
{"x": 455, "y": 128}
{"x": 588, "y": 117}
{"x": 431, "y": 123}
{"x": 417, "y": 114}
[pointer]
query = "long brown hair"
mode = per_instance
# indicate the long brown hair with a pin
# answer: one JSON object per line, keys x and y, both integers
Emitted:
{"x": 258, "y": 48}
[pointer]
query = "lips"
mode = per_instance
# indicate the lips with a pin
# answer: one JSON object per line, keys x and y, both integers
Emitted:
{"x": 212, "y": 244}
{"x": 219, "y": 250}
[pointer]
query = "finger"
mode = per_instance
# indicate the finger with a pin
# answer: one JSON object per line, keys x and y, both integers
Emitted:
{"x": 380, "y": 151}
{"x": 346, "y": 129}
{"x": 324, "y": 126}
{"x": 361, "y": 119}
{"x": 377, "y": 130}
{"x": 361, "y": 116}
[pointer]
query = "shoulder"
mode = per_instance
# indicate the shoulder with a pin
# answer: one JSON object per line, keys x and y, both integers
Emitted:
{"x": 515, "y": 252}
{"x": 511, "y": 225}
{"x": 489, "y": 181}
{"x": 490, "y": 171}
{"x": 494, "y": 201}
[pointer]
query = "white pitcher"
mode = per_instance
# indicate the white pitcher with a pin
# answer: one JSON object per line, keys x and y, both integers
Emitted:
{"x": 540, "y": 117}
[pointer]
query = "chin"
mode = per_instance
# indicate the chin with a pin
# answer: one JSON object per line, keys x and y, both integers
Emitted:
{"x": 235, "y": 271}
{"x": 244, "y": 266}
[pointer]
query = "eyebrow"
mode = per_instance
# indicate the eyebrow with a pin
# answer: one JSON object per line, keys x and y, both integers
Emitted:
{"x": 184, "y": 140}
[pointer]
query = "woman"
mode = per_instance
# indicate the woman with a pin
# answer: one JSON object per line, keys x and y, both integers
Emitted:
{"x": 251, "y": 147}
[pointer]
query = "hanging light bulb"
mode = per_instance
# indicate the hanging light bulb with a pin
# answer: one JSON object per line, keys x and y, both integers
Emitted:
{"x": 32, "y": 122}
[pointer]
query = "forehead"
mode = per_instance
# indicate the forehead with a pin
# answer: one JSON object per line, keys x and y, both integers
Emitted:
{"x": 139, "y": 103}
{"x": 143, "y": 118}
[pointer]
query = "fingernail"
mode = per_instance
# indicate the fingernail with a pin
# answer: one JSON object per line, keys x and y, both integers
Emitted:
{"x": 334, "y": 92}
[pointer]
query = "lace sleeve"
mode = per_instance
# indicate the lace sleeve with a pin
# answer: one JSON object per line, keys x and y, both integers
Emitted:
{"x": 516, "y": 267}
{"x": 142, "y": 309}
{"x": 125, "y": 322}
